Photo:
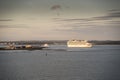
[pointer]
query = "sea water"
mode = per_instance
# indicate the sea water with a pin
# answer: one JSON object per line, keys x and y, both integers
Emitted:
{"x": 101, "y": 62}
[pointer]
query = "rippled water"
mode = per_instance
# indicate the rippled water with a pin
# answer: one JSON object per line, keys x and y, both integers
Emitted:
{"x": 61, "y": 63}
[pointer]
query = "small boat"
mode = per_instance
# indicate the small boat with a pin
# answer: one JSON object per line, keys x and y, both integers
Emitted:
{"x": 46, "y": 45}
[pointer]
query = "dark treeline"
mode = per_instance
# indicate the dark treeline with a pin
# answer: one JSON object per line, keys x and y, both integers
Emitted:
{"x": 61, "y": 42}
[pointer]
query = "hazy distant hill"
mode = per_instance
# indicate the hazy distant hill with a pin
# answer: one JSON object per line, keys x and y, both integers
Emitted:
{"x": 105, "y": 42}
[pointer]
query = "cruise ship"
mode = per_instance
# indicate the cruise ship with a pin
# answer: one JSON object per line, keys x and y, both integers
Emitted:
{"x": 78, "y": 43}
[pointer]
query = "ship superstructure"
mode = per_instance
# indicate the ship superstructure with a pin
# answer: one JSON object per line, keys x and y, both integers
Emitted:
{"x": 78, "y": 43}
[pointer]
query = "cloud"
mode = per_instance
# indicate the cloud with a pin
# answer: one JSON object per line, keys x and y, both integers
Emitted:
{"x": 6, "y": 19}
{"x": 106, "y": 24}
{"x": 72, "y": 19}
{"x": 14, "y": 26}
{"x": 98, "y": 32}
{"x": 112, "y": 14}
{"x": 115, "y": 22}
{"x": 55, "y": 7}
{"x": 110, "y": 19}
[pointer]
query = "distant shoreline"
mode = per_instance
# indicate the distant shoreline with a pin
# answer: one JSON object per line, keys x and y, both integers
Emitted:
{"x": 59, "y": 42}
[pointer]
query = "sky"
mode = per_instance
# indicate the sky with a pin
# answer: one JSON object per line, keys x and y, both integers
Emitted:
{"x": 59, "y": 19}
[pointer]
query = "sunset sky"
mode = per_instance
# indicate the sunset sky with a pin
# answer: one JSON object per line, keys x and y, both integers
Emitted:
{"x": 59, "y": 19}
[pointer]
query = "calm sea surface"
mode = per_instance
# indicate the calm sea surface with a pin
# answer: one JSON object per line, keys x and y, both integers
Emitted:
{"x": 101, "y": 62}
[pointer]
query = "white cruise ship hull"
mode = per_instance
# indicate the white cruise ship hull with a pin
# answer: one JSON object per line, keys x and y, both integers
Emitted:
{"x": 79, "y": 45}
